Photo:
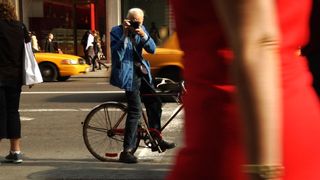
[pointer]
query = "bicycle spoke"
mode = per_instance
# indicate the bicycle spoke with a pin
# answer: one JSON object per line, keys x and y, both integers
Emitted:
{"x": 107, "y": 115}
{"x": 98, "y": 129}
{"x": 103, "y": 131}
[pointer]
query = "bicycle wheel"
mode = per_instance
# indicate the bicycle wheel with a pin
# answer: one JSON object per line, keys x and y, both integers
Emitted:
{"x": 103, "y": 130}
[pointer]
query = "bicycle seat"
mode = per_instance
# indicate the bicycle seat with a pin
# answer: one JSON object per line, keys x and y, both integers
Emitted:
{"x": 168, "y": 85}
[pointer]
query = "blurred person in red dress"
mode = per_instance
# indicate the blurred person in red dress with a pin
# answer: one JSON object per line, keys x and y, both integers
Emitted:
{"x": 272, "y": 132}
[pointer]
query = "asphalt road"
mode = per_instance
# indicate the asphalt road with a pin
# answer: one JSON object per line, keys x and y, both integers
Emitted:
{"x": 52, "y": 142}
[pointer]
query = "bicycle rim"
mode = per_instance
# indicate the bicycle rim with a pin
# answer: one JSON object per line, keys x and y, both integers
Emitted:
{"x": 103, "y": 131}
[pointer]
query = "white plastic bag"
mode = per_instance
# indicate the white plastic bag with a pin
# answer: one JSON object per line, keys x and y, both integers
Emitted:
{"x": 31, "y": 71}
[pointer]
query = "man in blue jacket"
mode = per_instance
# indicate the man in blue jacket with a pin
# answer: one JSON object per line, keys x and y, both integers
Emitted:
{"x": 127, "y": 42}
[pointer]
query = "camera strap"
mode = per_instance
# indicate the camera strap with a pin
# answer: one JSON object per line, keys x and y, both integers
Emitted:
{"x": 137, "y": 58}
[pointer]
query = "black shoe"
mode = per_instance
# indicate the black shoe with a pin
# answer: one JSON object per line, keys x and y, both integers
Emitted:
{"x": 164, "y": 145}
{"x": 14, "y": 158}
{"x": 127, "y": 157}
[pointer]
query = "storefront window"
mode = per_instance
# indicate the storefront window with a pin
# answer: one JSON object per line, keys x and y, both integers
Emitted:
{"x": 67, "y": 20}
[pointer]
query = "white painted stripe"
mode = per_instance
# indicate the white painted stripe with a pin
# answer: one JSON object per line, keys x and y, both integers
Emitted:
{"x": 55, "y": 110}
{"x": 22, "y": 118}
{"x": 146, "y": 153}
{"x": 48, "y": 110}
{"x": 164, "y": 112}
{"x": 73, "y": 92}
{"x": 85, "y": 109}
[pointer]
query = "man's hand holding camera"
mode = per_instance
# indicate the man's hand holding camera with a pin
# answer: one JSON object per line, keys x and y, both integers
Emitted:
{"x": 132, "y": 27}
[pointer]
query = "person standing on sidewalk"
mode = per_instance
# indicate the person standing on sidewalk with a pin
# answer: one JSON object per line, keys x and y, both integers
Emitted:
{"x": 13, "y": 34}
{"x": 84, "y": 42}
{"x": 91, "y": 49}
{"x": 50, "y": 45}
{"x": 98, "y": 49}
{"x": 34, "y": 42}
{"x": 127, "y": 42}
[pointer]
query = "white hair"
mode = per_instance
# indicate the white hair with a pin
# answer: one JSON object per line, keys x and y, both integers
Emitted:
{"x": 134, "y": 11}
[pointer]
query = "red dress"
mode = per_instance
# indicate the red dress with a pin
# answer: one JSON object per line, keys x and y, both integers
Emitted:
{"x": 213, "y": 134}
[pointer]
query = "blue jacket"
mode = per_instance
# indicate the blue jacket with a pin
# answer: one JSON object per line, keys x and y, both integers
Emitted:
{"x": 122, "y": 57}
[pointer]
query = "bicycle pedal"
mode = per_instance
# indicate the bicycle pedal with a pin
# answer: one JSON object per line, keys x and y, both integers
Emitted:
{"x": 111, "y": 154}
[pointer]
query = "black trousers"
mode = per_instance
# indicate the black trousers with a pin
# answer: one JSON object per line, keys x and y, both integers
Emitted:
{"x": 153, "y": 107}
{"x": 10, "y": 126}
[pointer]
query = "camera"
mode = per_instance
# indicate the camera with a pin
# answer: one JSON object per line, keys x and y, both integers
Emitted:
{"x": 134, "y": 24}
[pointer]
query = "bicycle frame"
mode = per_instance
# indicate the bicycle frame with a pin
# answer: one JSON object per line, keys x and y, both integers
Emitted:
{"x": 157, "y": 133}
{"x": 174, "y": 113}
{"x": 105, "y": 119}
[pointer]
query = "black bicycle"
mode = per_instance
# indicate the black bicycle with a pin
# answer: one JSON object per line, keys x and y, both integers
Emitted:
{"x": 103, "y": 128}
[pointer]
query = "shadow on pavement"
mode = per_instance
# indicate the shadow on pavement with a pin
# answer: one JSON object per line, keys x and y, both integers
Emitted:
{"x": 99, "y": 98}
{"x": 83, "y": 169}
{"x": 88, "y": 98}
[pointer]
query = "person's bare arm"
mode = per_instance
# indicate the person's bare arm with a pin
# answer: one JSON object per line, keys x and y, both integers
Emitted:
{"x": 252, "y": 29}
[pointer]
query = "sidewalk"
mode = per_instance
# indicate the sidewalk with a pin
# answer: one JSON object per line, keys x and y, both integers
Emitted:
{"x": 84, "y": 169}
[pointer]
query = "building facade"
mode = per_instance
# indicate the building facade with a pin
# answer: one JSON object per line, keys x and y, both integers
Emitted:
{"x": 69, "y": 19}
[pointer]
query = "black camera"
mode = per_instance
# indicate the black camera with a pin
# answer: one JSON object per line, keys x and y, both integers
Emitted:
{"x": 134, "y": 24}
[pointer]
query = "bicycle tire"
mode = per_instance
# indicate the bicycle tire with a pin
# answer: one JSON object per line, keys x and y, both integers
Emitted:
{"x": 103, "y": 131}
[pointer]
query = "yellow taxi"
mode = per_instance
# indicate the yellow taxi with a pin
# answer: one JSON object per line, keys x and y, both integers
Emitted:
{"x": 167, "y": 60}
{"x": 60, "y": 67}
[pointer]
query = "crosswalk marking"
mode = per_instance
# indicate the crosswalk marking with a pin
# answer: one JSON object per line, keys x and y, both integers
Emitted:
{"x": 23, "y": 118}
{"x": 72, "y": 92}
